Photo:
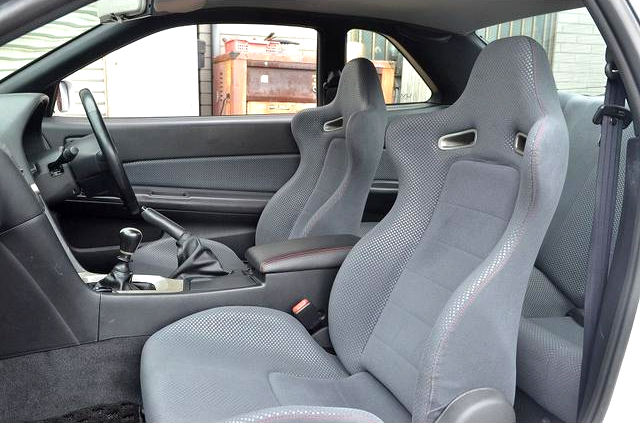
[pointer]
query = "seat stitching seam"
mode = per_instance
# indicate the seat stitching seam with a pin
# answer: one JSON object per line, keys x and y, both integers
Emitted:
{"x": 407, "y": 312}
{"x": 387, "y": 346}
{"x": 428, "y": 279}
{"x": 474, "y": 209}
{"x": 438, "y": 240}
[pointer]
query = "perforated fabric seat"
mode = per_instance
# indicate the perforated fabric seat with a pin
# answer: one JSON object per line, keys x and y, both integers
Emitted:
{"x": 550, "y": 343}
{"x": 229, "y": 361}
{"x": 340, "y": 147}
{"x": 427, "y": 305}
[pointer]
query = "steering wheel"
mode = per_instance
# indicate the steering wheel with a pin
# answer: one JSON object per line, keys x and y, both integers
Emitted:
{"x": 109, "y": 152}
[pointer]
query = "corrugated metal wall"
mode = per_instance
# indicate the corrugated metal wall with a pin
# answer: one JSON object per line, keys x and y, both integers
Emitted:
{"x": 541, "y": 28}
{"x": 18, "y": 53}
{"x": 573, "y": 43}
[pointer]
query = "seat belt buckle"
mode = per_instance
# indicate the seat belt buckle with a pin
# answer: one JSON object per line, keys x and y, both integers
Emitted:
{"x": 615, "y": 112}
{"x": 307, "y": 314}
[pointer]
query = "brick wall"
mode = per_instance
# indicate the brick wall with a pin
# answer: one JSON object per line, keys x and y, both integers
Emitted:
{"x": 577, "y": 54}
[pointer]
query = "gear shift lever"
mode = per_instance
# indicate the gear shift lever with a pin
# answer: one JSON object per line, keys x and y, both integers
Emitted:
{"x": 194, "y": 257}
{"x": 119, "y": 279}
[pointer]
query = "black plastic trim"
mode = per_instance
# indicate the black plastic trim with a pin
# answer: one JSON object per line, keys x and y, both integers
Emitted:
{"x": 193, "y": 200}
{"x": 155, "y": 138}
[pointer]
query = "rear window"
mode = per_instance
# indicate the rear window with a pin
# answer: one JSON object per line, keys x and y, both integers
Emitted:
{"x": 573, "y": 43}
{"x": 400, "y": 81}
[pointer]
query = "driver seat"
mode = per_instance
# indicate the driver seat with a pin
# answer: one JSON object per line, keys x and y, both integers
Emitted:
{"x": 340, "y": 147}
{"x": 427, "y": 305}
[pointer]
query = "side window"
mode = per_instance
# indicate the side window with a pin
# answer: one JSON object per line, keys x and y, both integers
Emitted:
{"x": 573, "y": 43}
{"x": 401, "y": 83}
{"x": 204, "y": 70}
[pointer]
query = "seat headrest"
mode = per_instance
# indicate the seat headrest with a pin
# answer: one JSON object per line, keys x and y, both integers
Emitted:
{"x": 514, "y": 75}
{"x": 359, "y": 88}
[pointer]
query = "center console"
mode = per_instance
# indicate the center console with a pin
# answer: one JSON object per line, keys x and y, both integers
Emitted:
{"x": 46, "y": 304}
{"x": 277, "y": 276}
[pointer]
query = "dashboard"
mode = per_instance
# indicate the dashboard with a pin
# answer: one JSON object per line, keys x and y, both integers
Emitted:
{"x": 59, "y": 173}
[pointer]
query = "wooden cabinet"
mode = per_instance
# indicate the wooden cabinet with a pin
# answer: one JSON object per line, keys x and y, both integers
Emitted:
{"x": 252, "y": 83}
{"x": 268, "y": 83}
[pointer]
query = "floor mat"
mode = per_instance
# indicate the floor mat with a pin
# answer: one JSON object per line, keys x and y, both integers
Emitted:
{"x": 125, "y": 412}
{"x": 53, "y": 383}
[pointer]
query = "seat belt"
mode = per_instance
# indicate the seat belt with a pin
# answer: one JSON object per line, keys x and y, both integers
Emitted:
{"x": 330, "y": 86}
{"x": 613, "y": 118}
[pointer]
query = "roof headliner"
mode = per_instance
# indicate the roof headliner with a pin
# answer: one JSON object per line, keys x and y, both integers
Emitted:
{"x": 457, "y": 16}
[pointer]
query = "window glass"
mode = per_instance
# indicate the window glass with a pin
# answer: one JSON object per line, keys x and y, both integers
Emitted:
{"x": 572, "y": 42}
{"x": 635, "y": 4}
{"x": 400, "y": 82}
{"x": 18, "y": 53}
{"x": 205, "y": 70}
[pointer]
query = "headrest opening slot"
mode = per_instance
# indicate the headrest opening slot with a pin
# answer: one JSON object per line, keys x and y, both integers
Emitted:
{"x": 520, "y": 143}
{"x": 464, "y": 139}
{"x": 333, "y": 125}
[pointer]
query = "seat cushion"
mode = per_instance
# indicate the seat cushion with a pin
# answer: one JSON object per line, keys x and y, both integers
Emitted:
{"x": 161, "y": 257}
{"x": 297, "y": 414}
{"x": 230, "y": 361}
{"x": 549, "y": 360}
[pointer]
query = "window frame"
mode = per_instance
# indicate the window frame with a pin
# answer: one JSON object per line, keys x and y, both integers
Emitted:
{"x": 406, "y": 56}
{"x": 427, "y": 46}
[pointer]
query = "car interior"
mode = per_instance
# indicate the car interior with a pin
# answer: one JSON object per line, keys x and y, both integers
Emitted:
{"x": 359, "y": 260}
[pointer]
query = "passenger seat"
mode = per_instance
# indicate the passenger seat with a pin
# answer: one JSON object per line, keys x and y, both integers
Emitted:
{"x": 550, "y": 340}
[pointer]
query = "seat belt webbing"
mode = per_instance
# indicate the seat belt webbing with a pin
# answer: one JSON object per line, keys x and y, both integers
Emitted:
{"x": 613, "y": 118}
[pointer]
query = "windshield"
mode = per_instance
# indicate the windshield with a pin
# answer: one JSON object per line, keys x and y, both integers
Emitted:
{"x": 26, "y": 49}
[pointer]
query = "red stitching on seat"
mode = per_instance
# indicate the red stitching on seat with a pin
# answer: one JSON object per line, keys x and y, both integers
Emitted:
{"x": 302, "y": 254}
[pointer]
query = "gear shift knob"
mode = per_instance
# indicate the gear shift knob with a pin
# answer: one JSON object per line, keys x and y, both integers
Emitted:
{"x": 130, "y": 239}
{"x": 119, "y": 279}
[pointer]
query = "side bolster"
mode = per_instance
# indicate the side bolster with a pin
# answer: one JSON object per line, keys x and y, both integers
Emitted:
{"x": 473, "y": 344}
{"x": 342, "y": 212}
{"x": 282, "y": 211}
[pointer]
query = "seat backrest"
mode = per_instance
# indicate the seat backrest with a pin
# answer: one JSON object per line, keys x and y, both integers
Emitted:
{"x": 550, "y": 343}
{"x": 429, "y": 301}
{"x": 340, "y": 146}
{"x": 559, "y": 278}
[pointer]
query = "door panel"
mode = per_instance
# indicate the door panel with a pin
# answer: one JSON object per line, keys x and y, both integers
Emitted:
{"x": 184, "y": 137}
{"x": 266, "y": 173}
{"x": 212, "y": 175}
